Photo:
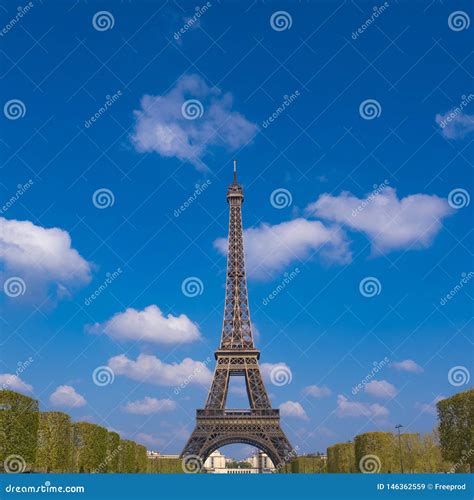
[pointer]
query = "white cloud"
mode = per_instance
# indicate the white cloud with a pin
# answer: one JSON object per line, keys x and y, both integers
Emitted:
{"x": 148, "y": 368}
{"x": 455, "y": 125}
{"x": 162, "y": 127}
{"x": 316, "y": 391}
{"x": 41, "y": 256}
{"x": 12, "y": 382}
{"x": 148, "y": 406}
{"x": 407, "y": 365}
{"x": 269, "y": 249}
{"x": 381, "y": 389}
{"x": 150, "y": 325}
{"x": 429, "y": 407}
{"x": 150, "y": 440}
{"x": 293, "y": 409}
{"x": 390, "y": 223}
{"x": 346, "y": 408}
{"x": 65, "y": 395}
{"x": 274, "y": 371}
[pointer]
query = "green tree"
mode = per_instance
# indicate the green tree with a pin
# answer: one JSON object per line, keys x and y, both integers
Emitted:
{"x": 341, "y": 458}
{"x": 18, "y": 430}
{"x": 127, "y": 456}
{"x": 140, "y": 458}
{"x": 90, "y": 442}
{"x": 165, "y": 465}
{"x": 456, "y": 430}
{"x": 55, "y": 451}
{"x": 376, "y": 452}
{"x": 309, "y": 464}
{"x": 113, "y": 453}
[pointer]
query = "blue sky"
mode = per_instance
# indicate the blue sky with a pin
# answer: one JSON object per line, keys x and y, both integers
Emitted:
{"x": 352, "y": 166}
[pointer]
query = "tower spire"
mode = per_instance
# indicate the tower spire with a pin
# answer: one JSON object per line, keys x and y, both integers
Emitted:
{"x": 235, "y": 171}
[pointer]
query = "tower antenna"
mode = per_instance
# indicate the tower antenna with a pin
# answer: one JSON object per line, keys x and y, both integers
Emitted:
{"x": 235, "y": 171}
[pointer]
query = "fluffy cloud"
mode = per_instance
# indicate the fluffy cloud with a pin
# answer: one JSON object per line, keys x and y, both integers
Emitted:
{"x": 41, "y": 256}
{"x": 167, "y": 124}
{"x": 65, "y": 395}
{"x": 276, "y": 373}
{"x": 346, "y": 408}
{"x": 148, "y": 406}
{"x": 381, "y": 389}
{"x": 150, "y": 325}
{"x": 429, "y": 407}
{"x": 293, "y": 409}
{"x": 148, "y": 368}
{"x": 14, "y": 383}
{"x": 389, "y": 222}
{"x": 269, "y": 249}
{"x": 407, "y": 365}
{"x": 316, "y": 392}
{"x": 455, "y": 125}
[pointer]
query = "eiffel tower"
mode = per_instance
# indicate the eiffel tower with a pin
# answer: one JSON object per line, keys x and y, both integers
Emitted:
{"x": 259, "y": 425}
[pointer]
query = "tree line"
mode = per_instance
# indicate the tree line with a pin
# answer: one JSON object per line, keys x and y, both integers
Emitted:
{"x": 34, "y": 441}
{"x": 449, "y": 449}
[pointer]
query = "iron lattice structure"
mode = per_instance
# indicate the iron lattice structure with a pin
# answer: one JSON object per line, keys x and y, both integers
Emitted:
{"x": 259, "y": 425}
